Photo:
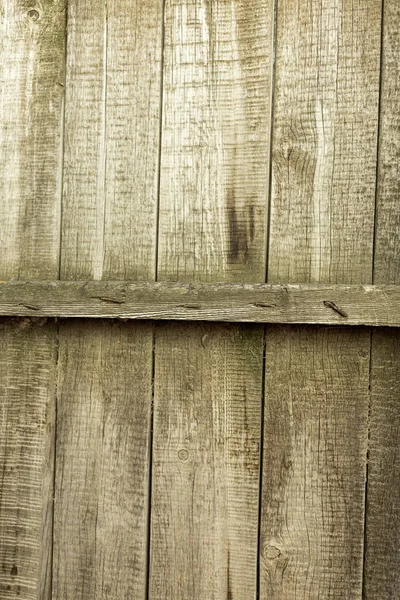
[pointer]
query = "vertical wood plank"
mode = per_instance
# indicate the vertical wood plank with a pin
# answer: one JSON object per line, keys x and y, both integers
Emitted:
{"x": 111, "y": 139}
{"x": 324, "y": 146}
{"x": 382, "y": 560}
{"x": 108, "y": 232}
{"x": 213, "y": 223}
{"x": 32, "y": 51}
{"x": 27, "y": 419}
{"x": 206, "y": 461}
{"x": 315, "y": 443}
{"x": 322, "y": 224}
{"x": 214, "y": 168}
{"x": 103, "y": 430}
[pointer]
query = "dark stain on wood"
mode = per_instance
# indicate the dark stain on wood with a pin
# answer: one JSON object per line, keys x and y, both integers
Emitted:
{"x": 229, "y": 594}
{"x": 238, "y": 251}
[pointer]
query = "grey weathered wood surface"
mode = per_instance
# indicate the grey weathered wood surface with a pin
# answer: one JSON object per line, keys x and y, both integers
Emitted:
{"x": 31, "y": 81}
{"x": 27, "y": 425}
{"x": 108, "y": 231}
{"x": 213, "y": 227}
{"x": 198, "y": 219}
{"x": 32, "y": 49}
{"x": 215, "y": 147}
{"x": 382, "y": 564}
{"x": 103, "y": 431}
{"x": 315, "y": 444}
{"x": 330, "y": 304}
{"x": 111, "y": 139}
{"x": 207, "y": 423}
{"x": 322, "y": 224}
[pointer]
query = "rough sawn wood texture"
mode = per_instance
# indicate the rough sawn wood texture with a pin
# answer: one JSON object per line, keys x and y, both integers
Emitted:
{"x": 164, "y": 159}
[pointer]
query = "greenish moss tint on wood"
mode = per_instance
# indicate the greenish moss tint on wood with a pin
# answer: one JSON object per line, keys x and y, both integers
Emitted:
{"x": 157, "y": 159}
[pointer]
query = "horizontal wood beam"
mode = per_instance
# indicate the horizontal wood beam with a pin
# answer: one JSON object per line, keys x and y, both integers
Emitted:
{"x": 257, "y": 303}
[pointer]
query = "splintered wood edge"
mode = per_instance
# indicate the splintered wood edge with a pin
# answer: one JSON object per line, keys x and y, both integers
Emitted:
{"x": 373, "y": 305}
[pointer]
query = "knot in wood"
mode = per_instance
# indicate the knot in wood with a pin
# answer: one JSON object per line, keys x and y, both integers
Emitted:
{"x": 34, "y": 15}
{"x": 183, "y": 455}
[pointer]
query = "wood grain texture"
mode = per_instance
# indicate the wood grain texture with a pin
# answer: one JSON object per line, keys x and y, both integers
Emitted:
{"x": 213, "y": 224}
{"x": 206, "y": 461}
{"x": 108, "y": 231}
{"x": 324, "y": 146}
{"x": 103, "y": 429}
{"x": 216, "y": 117}
{"x": 322, "y": 225}
{"x": 259, "y": 303}
{"x": 111, "y": 139}
{"x": 32, "y": 50}
{"x": 382, "y": 561}
{"x": 387, "y": 249}
{"x": 27, "y": 420}
{"x": 315, "y": 446}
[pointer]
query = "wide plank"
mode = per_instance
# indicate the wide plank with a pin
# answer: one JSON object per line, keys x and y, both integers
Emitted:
{"x": 215, "y": 150}
{"x": 103, "y": 431}
{"x": 207, "y": 423}
{"x": 382, "y": 560}
{"x": 315, "y": 442}
{"x": 109, "y": 222}
{"x": 321, "y": 230}
{"x": 213, "y": 228}
{"x": 32, "y": 61}
{"x": 111, "y": 139}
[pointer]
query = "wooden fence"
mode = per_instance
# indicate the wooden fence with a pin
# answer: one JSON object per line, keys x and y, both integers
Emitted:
{"x": 199, "y": 299}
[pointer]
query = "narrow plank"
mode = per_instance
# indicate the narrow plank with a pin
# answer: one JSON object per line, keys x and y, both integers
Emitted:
{"x": 382, "y": 560}
{"x": 27, "y": 420}
{"x": 108, "y": 231}
{"x": 315, "y": 447}
{"x": 322, "y": 224}
{"x": 330, "y": 304}
{"x": 213, "y": 226}
{"x": 32, "y": 58}
{"x": 111, "y": 133}
{"x": 206, "y": 448}
{"x": 103, "y": 430}
{"x": 387, "y": 248}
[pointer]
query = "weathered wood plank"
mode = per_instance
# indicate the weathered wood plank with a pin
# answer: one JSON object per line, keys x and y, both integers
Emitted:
{"x": 382, "y": 561}
{"x": 322, "y": 224}
{"x": 329, "y": 304}
{"x": 315, "y": 446}
{"x": 216, "y": 119}
{"x": 108, "y": 231}
{"x": 27, "y": 420}
{"x": 324, "y": 147}
{"x": 213, "y": 224}
{"x": 112, "y": 136}
{"x": 32, "y": 50}
{"x": 206, "y": 448}
{"x": 387, "y": 247}
{"x": 103, "y": 430}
